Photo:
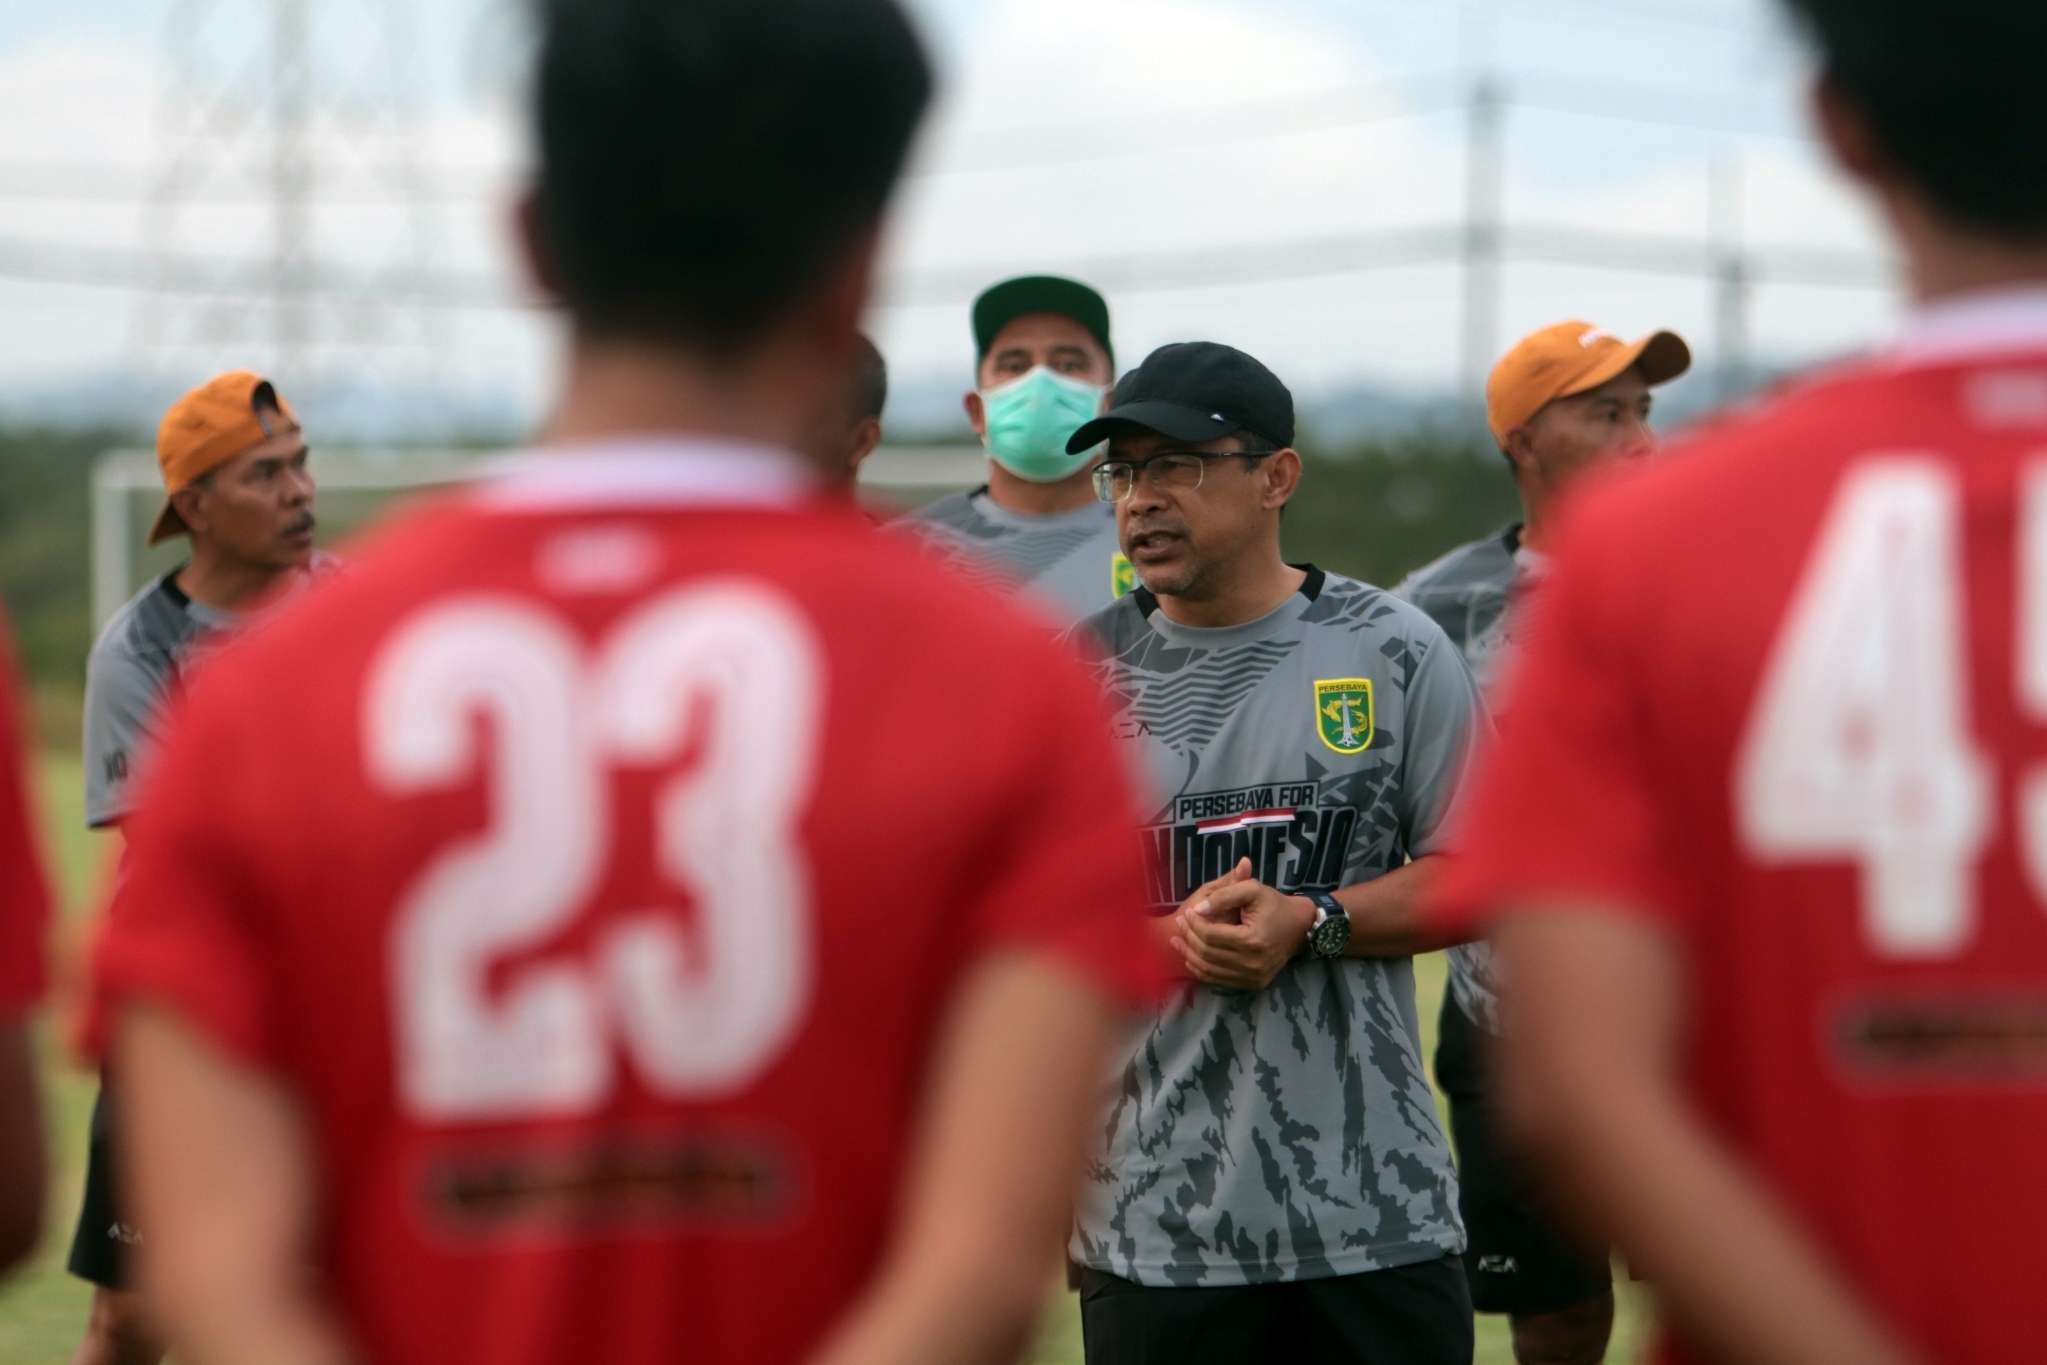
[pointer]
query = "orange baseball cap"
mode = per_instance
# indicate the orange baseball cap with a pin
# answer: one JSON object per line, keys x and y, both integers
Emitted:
{"x": 205, "y": 429}
{"x": 1571, "y": 358}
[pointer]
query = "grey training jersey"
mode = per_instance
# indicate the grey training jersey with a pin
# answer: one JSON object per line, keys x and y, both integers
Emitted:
{"x": 1288, "y": 1134}
{"x": 133, "y": 666}
{"x": 1072, "y": 561}
{"x": 1467, "y": 593}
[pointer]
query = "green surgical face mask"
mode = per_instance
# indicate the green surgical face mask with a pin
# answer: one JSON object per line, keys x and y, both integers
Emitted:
{"x": 1031, "y": 419}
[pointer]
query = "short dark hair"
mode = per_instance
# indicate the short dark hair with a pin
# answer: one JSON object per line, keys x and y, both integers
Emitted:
{"x": 706, "y": 163}
{"x": 1952, "y": 94}
{"x": 870, "y": 380}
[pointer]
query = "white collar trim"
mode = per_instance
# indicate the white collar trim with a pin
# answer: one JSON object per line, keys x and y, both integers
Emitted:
{"x": 1992, "y": 323}
{"x": 647, "y": 471}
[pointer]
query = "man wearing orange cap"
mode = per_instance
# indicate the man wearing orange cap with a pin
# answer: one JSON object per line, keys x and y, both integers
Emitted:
{"x": 236, "y": 484}
{"x": 1566, "y": 401}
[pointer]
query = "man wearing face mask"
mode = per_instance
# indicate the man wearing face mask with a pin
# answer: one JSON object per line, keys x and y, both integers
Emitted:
{"x": 1046, "y": 364}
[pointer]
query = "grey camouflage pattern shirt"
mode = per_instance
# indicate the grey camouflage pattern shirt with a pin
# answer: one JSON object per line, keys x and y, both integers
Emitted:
{"x": 135, "y": 664}
{"x": 1288, "y": 1134}
{"x": 141, "y": 657}
{"x": 1467, "y": 592}
{"x": 1072, "y": 562}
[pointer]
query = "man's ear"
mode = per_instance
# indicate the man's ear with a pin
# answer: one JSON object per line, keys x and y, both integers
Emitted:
{"x": 531, "y": 238}
{"x": 1846, "y": 133}
{"x": 866, "y": 436}
{"x": 1520, "y": 450}
{"x": 191, "y": 502}
{"x": 840, "y": 301}
{"x": 1282, "y": 477}
{"x": 977, "y": 414}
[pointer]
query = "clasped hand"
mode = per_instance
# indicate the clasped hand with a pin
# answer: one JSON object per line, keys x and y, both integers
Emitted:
{"x": 1237, "y": 933}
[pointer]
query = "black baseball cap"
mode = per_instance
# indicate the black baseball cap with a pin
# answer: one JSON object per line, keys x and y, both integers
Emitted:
{"x": 1196, "y": 391}
{"x": 1004, "y": 303}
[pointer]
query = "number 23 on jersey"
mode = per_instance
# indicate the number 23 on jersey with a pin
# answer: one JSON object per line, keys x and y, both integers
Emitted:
{"x": 726, "y": 671}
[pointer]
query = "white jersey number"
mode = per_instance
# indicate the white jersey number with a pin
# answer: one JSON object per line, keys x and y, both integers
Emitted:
{"x": 727, "y": 673}
{"x": 1859, "y": 746}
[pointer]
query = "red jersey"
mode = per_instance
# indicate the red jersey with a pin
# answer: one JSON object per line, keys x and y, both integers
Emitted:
{"x": 596, "y": 861}
{"x": 1786, "y": 696}
{"x": 24, "y": 897}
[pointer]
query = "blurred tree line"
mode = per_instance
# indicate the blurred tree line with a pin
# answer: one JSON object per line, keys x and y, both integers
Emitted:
{"x": 45, "y": 562}
{"x": 1380, "y": 511}
{"x": 1373, "y": 512}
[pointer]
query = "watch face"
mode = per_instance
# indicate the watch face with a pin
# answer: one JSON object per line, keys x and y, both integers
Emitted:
{"x": 1332, "y": 936}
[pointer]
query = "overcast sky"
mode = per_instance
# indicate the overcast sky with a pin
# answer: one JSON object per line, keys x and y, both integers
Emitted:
{"x": 1161, "y": 145}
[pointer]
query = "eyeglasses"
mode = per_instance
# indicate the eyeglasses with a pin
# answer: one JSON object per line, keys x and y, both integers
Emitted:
{"x": 1177, "y": 469}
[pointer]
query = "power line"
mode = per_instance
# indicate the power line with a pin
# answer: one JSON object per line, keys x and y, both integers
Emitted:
{"x": 261, "y": 89}
{"x": 116, "y": 185}
{"x": 1039, "y": 146}
{"x": 1635, "y": 253}
{"x": 1669, "y": 16}
{"x": 1205, "y": 267}
{"x": 1194, "y": 268}
{"x": 1189, "y": 129}
{"x": 1638, "y": 102}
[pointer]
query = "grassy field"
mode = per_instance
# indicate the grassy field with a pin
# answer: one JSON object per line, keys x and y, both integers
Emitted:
{"x": 42, "y": 1309}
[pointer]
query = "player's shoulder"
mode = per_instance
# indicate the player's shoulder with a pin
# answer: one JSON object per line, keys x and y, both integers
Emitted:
{"x": 953, "y": 512}
{"x": 863, "y": 589}
{"x": 1111, "y": 631}
{"x": 901, "y": 584}
{"x": 305, "y": 638}
{"x": 1341, "y": 602}
{"x": 1758, "y": 466}
{"x": 146, "y": 627}
{"x": 1485, "y": 562}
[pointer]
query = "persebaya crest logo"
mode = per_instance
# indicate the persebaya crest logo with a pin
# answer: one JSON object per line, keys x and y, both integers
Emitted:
{"x": 1343, "y": 713}
{"x": 1122, "y": 574}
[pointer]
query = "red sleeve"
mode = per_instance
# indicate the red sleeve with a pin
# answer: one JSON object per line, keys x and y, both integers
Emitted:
{"x": 24, "y": 895}
{"x": 1069, "y": 877}
{"x": 1565, "y": 806}
{"x": 184, "y": 927}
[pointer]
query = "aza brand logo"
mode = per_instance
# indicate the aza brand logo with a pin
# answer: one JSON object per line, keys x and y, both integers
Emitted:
{"x": 1293, "y": 843}
{"x": 1343, "y": 713}
{"x": 1122, "y": 574}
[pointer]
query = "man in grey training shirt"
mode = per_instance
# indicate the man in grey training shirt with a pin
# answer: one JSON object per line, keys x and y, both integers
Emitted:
{"x": 1270, "y": 1181}
{"x": 1564, "y": 402}
{"x": 237, "y": 486}
{"x": 1045, "y": 365}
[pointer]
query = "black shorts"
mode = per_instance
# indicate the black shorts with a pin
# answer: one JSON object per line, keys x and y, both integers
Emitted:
{"x": 99, "y": 1248}
{"x": 1412, "y": 1315}
{"x": 1519, "y": 1261}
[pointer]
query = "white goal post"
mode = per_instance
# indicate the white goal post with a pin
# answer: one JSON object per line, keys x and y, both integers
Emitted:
{"x": 127, "y": 490}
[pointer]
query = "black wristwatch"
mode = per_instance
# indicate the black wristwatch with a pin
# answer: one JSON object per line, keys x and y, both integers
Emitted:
{"x": 1330, "y": 934}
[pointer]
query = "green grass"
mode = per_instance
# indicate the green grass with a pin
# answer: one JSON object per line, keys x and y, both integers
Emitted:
{"x": 42, "y": 1308}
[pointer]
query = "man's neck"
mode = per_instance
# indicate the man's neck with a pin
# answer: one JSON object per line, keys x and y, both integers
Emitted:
{"x": 621, "y": 390}
{"x": 214, "y": 581}
{"x": 1029, "y": 499}
{"x": 1248, "y": 598}
{"x": 1944, "y": 264}
{"x": 1535, "y": 517}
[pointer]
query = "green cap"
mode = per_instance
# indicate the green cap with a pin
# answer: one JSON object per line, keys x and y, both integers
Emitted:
{"x": 1004, "y": 303}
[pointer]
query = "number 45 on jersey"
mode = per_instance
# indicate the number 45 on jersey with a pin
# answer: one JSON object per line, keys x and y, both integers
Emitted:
{"x": 1860, "y": 747}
